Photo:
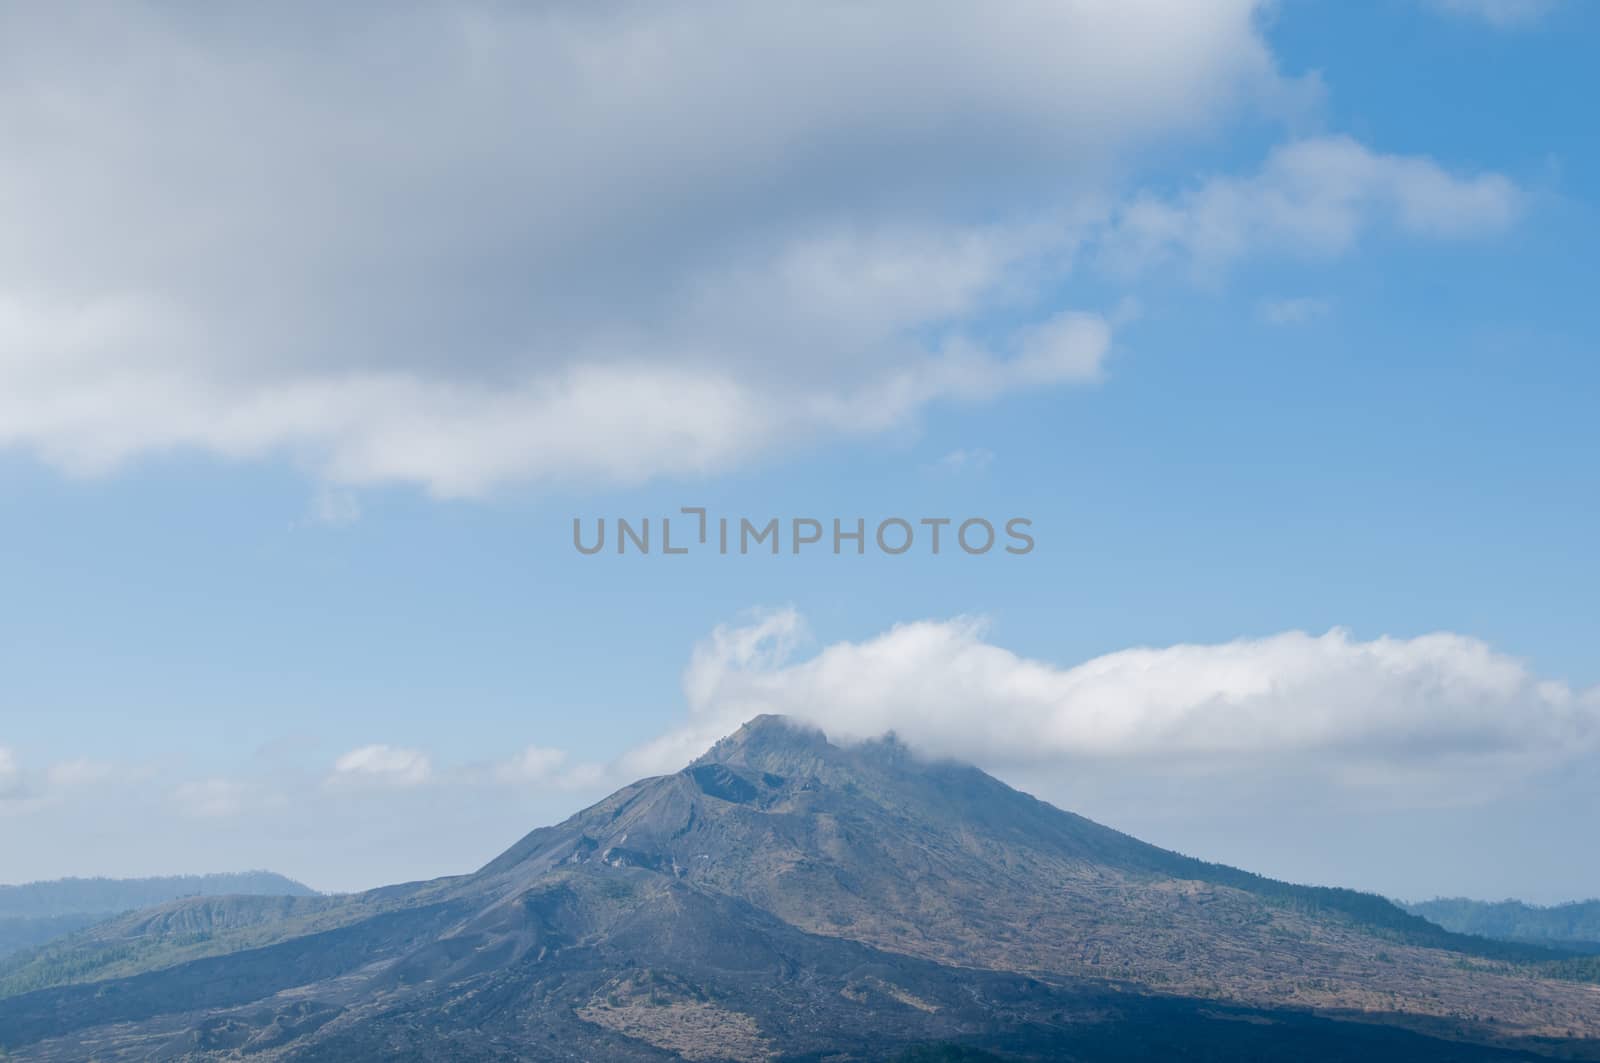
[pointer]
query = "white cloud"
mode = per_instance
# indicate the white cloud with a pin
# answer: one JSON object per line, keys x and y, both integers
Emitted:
{"x": 335, "y": 507}
{"x": 1435, "y": 712}
{"x": 11, "y": 787}
{"x": 383, "y": 765}
{"x": 1500, "y": 13}
{"x": 27, "y": 792}
{"x": 81, "y": 771}
{"x": 535, "y": 764}
{"x": 604, "y": 241}
{"x": 213, "y": 798}
{"x": 1311, "y": 197}
{"x": 1296, "y": 311}
{"x": 536, "y": 769}
{"x": 975, "y": 460}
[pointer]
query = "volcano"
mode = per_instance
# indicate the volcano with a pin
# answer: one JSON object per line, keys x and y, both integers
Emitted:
{"x": 784, "y": 897}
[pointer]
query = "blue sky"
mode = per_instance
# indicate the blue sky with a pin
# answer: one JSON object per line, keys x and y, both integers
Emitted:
{"x": 285, "y": 583}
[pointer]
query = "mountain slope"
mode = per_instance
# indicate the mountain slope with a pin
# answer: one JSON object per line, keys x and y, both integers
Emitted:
{"x": 783, "y": 897}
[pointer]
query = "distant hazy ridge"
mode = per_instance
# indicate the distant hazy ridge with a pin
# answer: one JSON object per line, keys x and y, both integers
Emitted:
{"x": 37, "y": 912}
{"x": 1575, "y": 925}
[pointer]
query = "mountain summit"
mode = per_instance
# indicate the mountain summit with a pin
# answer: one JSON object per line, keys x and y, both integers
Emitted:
{"x": 787, "y": 897}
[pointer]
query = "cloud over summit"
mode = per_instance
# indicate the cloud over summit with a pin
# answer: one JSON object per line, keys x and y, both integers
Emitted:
{"x": 1442, "y": 711}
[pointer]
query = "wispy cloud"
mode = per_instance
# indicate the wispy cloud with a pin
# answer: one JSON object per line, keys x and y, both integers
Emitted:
{"x": 966, "y": 461}
{"x": 1312, "y": 197}
{"x": 11, "y": 786}
{"x": 534, "y": 767}
{"x": 212, "y": 798}
{"x": 80, "y": 771}
{"x": 335, "y": 507}
{"x": 533, "y": 764}
{"x": 382, "y": 765}
{"x": 1500, "y": 13}
{"x": 1295, "y": 311}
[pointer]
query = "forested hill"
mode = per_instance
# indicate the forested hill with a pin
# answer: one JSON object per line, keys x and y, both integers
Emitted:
{"x": 72, "y": 896}
{"x": 38, "y": 912}
{"x": 1575, "y": 926}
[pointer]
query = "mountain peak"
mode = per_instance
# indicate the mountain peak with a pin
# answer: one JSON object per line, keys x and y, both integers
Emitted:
{"x": 771, "y": 725}
{"x": 766, "y": 741}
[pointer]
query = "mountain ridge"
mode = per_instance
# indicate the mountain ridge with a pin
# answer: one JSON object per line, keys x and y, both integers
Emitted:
{"x": 74, "y": 894}
{"x": 34, "y": 913}
{"x": 1573, "y": 926}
